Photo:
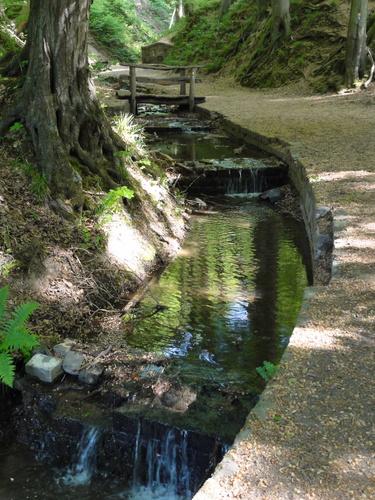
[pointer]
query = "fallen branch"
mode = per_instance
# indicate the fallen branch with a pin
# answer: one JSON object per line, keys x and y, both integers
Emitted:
{"x": 94, "y": 193}
{"x": 137, "y": 297}
{"x": 13, "y": 36}
{"x": 94, "y": 361}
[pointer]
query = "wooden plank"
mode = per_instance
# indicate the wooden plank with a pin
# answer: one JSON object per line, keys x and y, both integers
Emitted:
{"x": 177, "y": 80}
{"x": 163, "y": 99}
{"x": 162, "y": 67}
{"x": 183, "y": 84}
{"x": 170, "y": 99}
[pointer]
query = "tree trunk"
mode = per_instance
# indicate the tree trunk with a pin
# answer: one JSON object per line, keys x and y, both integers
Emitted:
{"x": 356, "y": 43}
{"x": 57, "y": 103}
{"x": 224, "y": 7}
{"x": 281, "y": 18}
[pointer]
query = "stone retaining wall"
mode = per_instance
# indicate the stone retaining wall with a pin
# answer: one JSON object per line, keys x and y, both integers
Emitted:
{"x": 288, "y": 153}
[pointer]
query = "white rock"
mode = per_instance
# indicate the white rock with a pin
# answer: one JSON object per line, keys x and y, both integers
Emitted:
{"x": 44, "y": 368}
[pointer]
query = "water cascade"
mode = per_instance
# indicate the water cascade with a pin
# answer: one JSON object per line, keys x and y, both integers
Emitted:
{"x": 81, "y": 472}
{"x": 161, "y": 468}
{"x": 245, "y": 182}
{"x": 218, "y": 165}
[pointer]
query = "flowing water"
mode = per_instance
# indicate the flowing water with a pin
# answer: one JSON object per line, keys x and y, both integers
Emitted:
{"x": 231, "y": 297}
{"x": 161, "y": 468}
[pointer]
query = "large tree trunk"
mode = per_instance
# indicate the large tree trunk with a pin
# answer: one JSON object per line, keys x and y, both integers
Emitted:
{"x": 281, "y": 18}
{"x": 57, "y": 103}
{"x": 356, "y": 43}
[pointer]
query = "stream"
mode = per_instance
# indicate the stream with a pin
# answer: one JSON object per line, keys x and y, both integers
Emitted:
{"x": 233, "y": 295}
{"x": 230, "y": 301}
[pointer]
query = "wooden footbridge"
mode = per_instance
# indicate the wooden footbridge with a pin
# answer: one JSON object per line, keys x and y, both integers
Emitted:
{"x": 186, "y": 76}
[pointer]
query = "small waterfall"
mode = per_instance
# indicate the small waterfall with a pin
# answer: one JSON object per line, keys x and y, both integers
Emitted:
{"x": 161, "y": 469}
{"x": 81, "y": 472}
{"x": 245, "y": 181}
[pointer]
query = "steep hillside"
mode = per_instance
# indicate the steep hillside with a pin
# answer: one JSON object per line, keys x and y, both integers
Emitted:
{"x": 118, "y": 28}
{"x": 241, "y": 43}
{"x": 121, "y": 27}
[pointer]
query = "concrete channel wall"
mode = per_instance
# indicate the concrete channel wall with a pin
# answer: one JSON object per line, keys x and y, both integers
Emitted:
{"x": 286, "y": 152}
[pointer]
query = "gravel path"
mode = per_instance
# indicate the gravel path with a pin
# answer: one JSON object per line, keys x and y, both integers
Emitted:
{"x": 312, "y": 434}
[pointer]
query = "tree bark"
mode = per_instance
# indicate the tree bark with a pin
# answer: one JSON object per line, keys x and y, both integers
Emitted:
{"x": 356, "y": 43}
{"x": 281, "y": 18}
{"x": 57, "y": 103}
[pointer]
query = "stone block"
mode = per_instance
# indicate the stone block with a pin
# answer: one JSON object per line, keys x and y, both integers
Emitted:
{"x": 44, "y": 368}
{"x": 91, "y": 375}
{"x": 73, "y": 362}
{"x": 63, "y": 348}
{"x": 273, "y": 195}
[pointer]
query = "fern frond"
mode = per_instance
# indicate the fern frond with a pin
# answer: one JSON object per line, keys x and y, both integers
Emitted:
{"x": 6, "y": 369}
{"x": 3, "y": 301}
{"x": 18, "y": 340}
{"x": 19, "y": 317}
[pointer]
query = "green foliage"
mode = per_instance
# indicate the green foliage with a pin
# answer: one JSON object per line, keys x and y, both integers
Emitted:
{"x": 202, "y": 37}
{"x": 267, "y": 371}
{"x": 14, "y": 336}
{"x": 241, "y": 43}
{"x": 123, "y": 154}
{"x": 110, "y": 202}
{"x": 16, "y": 13}
{"x": 118, "y": 29}
{"x": 16, "y": 126}
{"x": 91, "y": 238}
{"x": 132, "y": 134}
{"x": 14, "y": 10}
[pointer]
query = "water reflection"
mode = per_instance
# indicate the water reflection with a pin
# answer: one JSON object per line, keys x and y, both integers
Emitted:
{"x": 194, "y": 146}
{"x": 233, "y": 296}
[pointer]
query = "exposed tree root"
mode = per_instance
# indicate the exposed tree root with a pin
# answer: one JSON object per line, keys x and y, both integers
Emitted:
{"x": 58, "y": 107}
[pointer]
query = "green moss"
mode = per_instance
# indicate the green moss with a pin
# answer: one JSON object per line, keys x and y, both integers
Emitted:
{"x": 242, "y": 45}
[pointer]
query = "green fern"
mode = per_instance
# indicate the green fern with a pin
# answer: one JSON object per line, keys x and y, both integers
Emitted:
{"x": 3, "y": 299}
{"x": 6, "y": 369}
{"x": 14, "y": 336}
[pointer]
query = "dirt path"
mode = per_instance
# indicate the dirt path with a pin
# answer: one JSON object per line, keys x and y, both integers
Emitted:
{"x": 312, "y": 435}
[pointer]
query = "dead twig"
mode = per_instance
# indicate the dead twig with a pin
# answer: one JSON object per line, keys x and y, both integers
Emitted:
{"x": 96, "y": 360}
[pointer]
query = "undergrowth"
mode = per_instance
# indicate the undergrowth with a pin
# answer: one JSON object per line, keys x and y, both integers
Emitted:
{"x": 240, "y": 43}
{"x": 120, "y": 30}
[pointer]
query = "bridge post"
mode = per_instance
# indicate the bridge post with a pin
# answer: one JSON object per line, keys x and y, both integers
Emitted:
{"x": 192, "y": 90}
{"x": 182, "y": 85}
{"x": 133, "y": 90}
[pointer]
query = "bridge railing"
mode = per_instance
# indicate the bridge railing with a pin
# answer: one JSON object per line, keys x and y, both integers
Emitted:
{"x": 187, "y": 75}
